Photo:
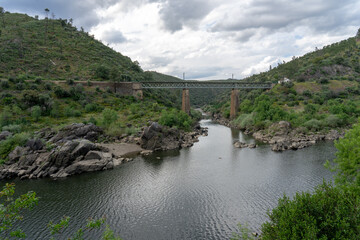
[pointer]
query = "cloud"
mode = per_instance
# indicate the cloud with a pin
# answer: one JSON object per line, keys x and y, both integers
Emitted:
{"x": 207, "y": 39}
{"x": 113, "y": 36}
{"x": 179, "y": 13}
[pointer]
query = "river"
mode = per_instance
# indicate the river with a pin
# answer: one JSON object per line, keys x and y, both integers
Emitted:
{"x": 202, "y": 192}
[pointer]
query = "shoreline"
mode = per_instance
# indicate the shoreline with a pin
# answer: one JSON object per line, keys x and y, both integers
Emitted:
{"x": 74, "y": 150}
{"x": 282, "y": 136}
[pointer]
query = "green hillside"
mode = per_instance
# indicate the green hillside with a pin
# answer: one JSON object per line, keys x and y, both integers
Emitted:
{"x": 30, "y": 57}
{"x": 322, "y": 94}
{"x": 53, "y": 48}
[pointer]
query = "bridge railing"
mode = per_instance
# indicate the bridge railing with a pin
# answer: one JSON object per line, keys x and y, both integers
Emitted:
{"x": 203, "y": 84}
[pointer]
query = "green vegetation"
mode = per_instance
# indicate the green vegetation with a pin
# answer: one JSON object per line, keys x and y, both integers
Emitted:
{"x": 55, "y": 49}
{"x": 11, "y": 211}
{"x": 329, "y": 212}
{"x": 323, "y": 92}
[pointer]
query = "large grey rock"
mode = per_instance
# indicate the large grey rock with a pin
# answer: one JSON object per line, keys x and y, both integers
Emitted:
{"x": 86, "y": 166}
{"x": 76, "y": 131}
{"x": 98, "y": 155}
{"x": 62, "y": 156}
{"x": 15, "y": 155}
{"x": 4, "y": 135}
{"x": 82, "y": 148}
{"x": 35, "y": 144}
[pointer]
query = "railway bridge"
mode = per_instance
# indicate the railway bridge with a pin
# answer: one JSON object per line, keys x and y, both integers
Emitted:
{"x": 186, "y": 85}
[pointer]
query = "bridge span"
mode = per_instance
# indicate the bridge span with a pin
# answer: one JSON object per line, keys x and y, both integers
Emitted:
{"x": 186, "y": 85}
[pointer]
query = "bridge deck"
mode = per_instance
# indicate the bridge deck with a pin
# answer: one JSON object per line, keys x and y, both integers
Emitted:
{"x": 204, "y": 84}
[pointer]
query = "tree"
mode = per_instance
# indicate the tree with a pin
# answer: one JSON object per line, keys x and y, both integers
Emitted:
{"x": 46, "y": 22}
{"x": 348, "y": 157}
{"x": 11, "y": 210}
{"x": 2, "y": 13}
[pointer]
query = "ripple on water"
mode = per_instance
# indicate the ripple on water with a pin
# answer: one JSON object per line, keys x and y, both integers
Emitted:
{"x": 197, "y": 193}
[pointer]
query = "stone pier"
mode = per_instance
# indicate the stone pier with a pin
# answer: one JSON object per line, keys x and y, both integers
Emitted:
{"x": 185, "y": 101}
{"x": 234, "y": 106}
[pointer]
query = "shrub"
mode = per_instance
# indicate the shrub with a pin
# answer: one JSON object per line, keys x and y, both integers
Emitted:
{"x": 109, "y": 116}
{"x": 13, "y": 128}
{"x": 92, "y": 107}
{"x": 329, "y": 213}
{"x": 4, "y": 84}
{"x": 71, "y": 112}
{"x": 9, "y": 144}
{"x": 333, "y": 121}
{"x": 38, "y": 80}
{"x": 77, "y": 92}
{"x": 175, "y": 118}
{"x": 347, "y": 157}
{"x": 61, "y": 93}
{"x": 313, "y": 125}
{"x": 244, "y": 121}
{"x": 102, "y": 72}
{"x": 36, "y": 113}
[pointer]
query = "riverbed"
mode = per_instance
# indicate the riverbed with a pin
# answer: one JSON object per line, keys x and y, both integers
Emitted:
{"x": 201, "y": 192}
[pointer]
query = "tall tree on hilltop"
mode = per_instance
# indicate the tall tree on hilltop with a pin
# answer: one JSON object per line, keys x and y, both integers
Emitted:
{"x": 46, "y": 22}
{"x": 2, "y": 13}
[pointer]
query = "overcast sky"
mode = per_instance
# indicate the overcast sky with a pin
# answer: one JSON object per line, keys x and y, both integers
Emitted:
{"x": 206, "y": 39}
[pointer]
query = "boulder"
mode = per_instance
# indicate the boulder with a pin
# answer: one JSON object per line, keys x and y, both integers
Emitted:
{"x": 86, "y": 166}
{"x": 76, "y": 131}
{"x": 239, "y": 144}
{"x": 98, "y": 155}
{"x": 34, "y": 144}
{"x": 82, "y": 148}
{"x": 62, "y": 155}
{"x": 15, "y": 155}
{"x": 4, "y": 135}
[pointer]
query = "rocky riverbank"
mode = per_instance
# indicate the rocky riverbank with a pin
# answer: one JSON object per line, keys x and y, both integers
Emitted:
{"x": 282, "y": 136}
{"x": 74, "y": 150}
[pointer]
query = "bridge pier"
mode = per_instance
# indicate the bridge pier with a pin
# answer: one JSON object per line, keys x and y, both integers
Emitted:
{"x": 234, "y": 106}
{"x": 185, "y": 107}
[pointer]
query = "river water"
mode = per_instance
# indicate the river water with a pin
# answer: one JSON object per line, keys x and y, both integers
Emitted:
{"x": 202, "y": 192}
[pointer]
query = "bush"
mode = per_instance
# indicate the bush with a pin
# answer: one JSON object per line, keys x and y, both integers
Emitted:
{"x": 92, "y": 107}
{"x": 77, "y": 92}
{"x": 244, "y": 121}
{"x": 13, "y": 128}
{"x": 9, "y": 144}
{"x": 333, "y": 121}
{"x": 36, "y": 113}
{"x": 109, "y": 116}
{"x": 329, "y": 213}
{"x": 71, "y": 112}
{"x": 4, "y": 84}
{"x": 61, "y": 93}
{"x": 313, "y": 125}
{"x": 347, "y": 157}
{"x": 175, "y": 118}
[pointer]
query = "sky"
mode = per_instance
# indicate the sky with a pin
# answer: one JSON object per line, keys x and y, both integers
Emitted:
{"x": 206, "y": 39}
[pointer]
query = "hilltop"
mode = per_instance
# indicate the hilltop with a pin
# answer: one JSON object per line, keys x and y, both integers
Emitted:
{"x": 55, "y": 49}
{"x": 317, "y": 93}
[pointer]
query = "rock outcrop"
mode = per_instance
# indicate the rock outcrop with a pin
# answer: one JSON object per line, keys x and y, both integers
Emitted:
{"x": 72, "y": 153}
{"x": 281, "y": 136}
{"x": 239, "y": 144}
{"x": 72, "y": 150}
{"x": 157, "y": 137}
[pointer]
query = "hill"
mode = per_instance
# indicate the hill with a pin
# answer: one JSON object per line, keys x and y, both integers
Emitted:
{"x": 55, "y": 49}
{"x": 321, "y": 93}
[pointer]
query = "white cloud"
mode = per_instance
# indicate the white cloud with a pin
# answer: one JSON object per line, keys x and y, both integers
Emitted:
{"x": 208, "y": 39}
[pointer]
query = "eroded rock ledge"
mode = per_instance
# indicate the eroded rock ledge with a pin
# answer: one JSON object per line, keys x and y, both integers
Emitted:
{"x": 73, "y": 150}
{"x": 282, "y": 136}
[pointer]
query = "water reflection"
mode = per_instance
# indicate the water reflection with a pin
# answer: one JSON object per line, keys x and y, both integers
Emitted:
{"x": 200, "y": 192}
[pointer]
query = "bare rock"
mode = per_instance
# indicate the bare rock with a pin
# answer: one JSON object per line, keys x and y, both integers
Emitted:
{"x": 4, "y": 135}
{"x": 34, "y": 144}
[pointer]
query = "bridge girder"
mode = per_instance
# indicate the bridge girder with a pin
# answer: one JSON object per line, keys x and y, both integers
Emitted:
{"x": 204, "y": 84}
